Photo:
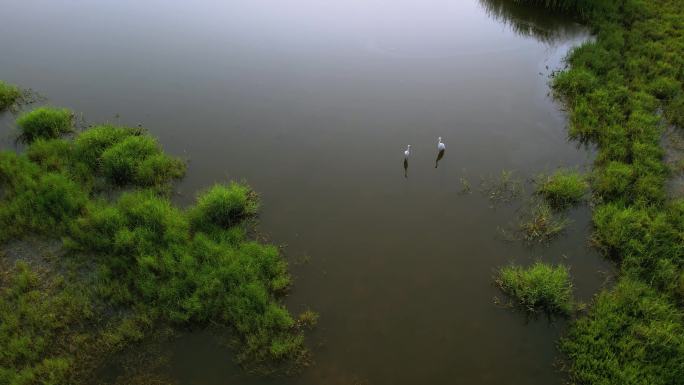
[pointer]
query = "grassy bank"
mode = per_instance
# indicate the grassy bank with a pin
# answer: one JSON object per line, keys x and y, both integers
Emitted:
{"x": 128, "y": 260}
{"x": 621, "y": 91}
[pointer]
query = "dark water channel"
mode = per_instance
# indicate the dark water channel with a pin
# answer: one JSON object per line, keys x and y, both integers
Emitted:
{"x": 313, "y": 104}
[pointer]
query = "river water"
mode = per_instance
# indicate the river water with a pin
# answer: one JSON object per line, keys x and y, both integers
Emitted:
{"x": 313, "y": 103}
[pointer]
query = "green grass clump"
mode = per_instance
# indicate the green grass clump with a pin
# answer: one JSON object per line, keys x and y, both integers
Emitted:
{"x": 538, "y": 287}
{"x": 9, "y": 94}
{"x": 563, "y": 188}
{"x": 90, "y": 144}
{"x": 223, "y": 206}
{"x": 139, "y": 160}
{"x": 45, "y": 123}
{"x": 126, "y": 156}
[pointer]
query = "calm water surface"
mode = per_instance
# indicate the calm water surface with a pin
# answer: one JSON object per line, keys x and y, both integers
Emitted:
{"x": 313, "y": 103}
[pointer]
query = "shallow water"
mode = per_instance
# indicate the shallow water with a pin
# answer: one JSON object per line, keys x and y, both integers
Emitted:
{"x": 313, "y": 104}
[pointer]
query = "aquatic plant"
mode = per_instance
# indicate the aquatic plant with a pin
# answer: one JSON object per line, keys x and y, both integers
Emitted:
{"x": 563, "y": 188}
{"x": 538, "y": 287}
{"x": 9, "y": 95}
{"x": 45, "y": 123}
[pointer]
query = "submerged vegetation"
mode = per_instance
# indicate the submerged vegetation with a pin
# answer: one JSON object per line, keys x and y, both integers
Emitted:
{"x": 502, "y": 188}
{"x": 621, "y": 91}
{"x": 129, "y": 263}
{"x": 538, "y": 287}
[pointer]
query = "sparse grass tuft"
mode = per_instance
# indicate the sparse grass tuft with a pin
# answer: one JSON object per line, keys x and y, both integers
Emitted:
{"x": 45, "y": 123}
{"x": 503, "y": 188}
{"x": 541, "y": 224}
{"x": 308, "y": 319}
{"x": 538, "y": 287}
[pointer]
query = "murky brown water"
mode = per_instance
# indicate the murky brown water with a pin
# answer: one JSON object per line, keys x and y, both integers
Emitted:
{"x": 313, "y": 103}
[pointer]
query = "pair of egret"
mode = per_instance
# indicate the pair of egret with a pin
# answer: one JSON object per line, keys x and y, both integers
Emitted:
{"x": 440, "y": 147}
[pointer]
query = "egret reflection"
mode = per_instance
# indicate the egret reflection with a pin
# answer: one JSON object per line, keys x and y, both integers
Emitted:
{"x": 440, "y": 155}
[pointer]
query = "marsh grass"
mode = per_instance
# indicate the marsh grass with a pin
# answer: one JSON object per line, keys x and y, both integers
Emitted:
{"x": 45, "y": 123}
{"x": 563, "y": 188}
{"x": 540, "y": 287}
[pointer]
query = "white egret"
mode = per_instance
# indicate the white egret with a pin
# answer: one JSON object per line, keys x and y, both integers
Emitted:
{"x": 407, "y": 152}
{"x": 440, "y": 146}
